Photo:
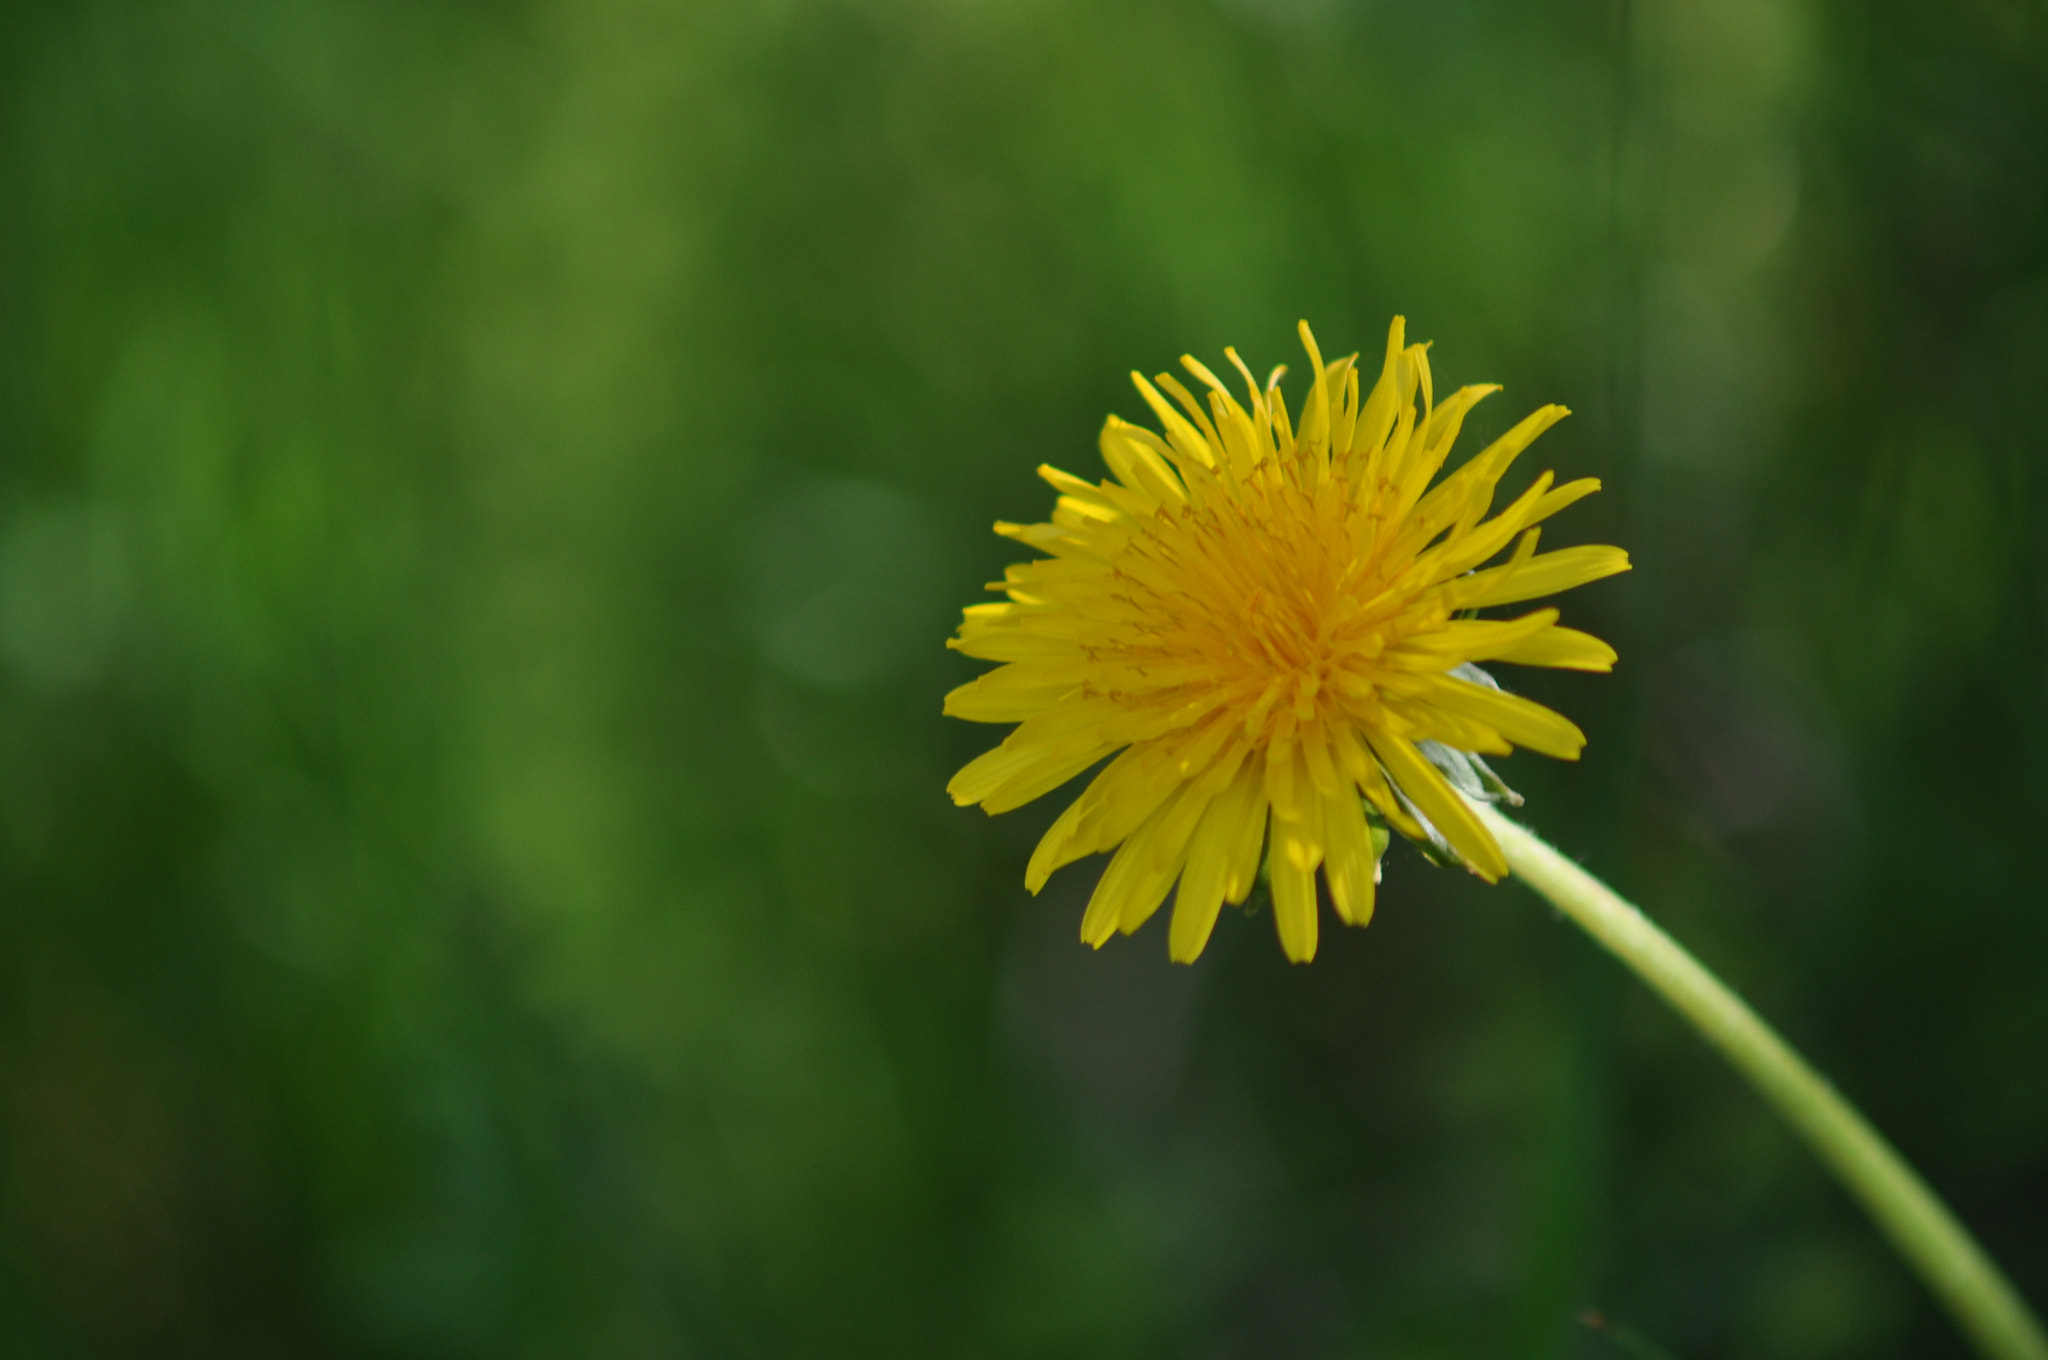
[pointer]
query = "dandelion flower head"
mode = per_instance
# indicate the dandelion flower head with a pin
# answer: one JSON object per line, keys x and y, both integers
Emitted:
{"x": 1271, "y": 627}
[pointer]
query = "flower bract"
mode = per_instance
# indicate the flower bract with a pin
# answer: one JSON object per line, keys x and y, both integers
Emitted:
{"x": 1269, "y": 620}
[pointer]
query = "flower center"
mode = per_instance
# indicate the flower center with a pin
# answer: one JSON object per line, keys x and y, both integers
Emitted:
{"x": 1270, "y": 599}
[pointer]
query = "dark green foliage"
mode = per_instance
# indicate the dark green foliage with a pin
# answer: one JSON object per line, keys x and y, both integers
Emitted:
{"x": 482, "y": 491}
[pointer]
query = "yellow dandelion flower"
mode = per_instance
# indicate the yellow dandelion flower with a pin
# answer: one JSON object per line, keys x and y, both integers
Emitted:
{"x": 1273, "y": 625}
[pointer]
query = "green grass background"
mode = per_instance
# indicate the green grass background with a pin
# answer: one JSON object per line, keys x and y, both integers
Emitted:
{"x": 483, "y": 488}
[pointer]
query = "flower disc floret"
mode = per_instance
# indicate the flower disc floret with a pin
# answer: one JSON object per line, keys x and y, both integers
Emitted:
{"x": 1271, "y": 629}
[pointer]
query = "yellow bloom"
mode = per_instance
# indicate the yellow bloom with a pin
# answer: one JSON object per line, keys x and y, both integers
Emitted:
{"x": 1269, "y": 623}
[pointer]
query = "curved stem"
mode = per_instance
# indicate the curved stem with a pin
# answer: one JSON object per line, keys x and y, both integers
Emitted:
{"x": 1982, "y": 1301}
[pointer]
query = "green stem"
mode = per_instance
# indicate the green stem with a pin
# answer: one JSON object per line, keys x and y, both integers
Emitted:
{"x": 1982, "y": 1301}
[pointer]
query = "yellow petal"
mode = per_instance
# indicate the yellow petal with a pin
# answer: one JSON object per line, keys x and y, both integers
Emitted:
{"x": 1113, "y": 805}
{"x": 1568, "y": 494}
{"x": 1006, "y": 694}
{"x": 1316, "y": 757}
{"x": 1460, "y": 554}
{"x": 1188, "y": 444}
{"x": 1059, "y": 846}
{"x": 1437, "y": 801}
{"x": 1297, "y": 850}
{"x": 1315, "y": 412}
{"x": 1136, "y": 465}
{"x": 1467, "y": 640}
{"x": 1522, "y": 721}
{"x": 1565, "y": 648}
{"x": 1243, "y": 871}
{"x": 1346, "y": 428}
{"x": 1426, "y": 720}
{"x": 1544, "y": 574}
{"x": 1140, "y": 872}
{"x": 1466, "y": 494}
{"x": 1373, "y": 781}
{"x": 1284, "y": 777}
{"x": 1130, "y": 791}
{"x": 1011, "y": 644}
{"x": 1011, "y": 778}
{"x": 1348, "y": 859}
{"x": 1212, "y": 443}
{"x": 1207, "y": 878}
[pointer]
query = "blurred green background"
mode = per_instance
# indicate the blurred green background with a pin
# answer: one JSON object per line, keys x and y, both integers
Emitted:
{"x": 482, "y": 491}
